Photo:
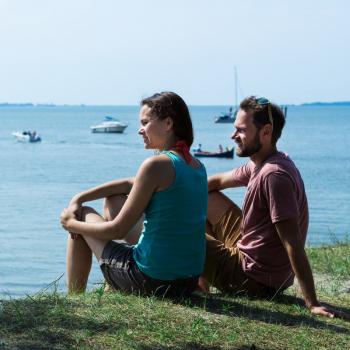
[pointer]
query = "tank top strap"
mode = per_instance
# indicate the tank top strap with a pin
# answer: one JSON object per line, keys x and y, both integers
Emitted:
{"x": 176, "y": 160}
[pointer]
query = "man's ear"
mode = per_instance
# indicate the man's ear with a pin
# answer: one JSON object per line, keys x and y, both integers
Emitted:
{"x": 267, "y": 129}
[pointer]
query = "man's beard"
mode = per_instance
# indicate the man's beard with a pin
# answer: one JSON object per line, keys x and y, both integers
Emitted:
{"x": 248, "y": 151}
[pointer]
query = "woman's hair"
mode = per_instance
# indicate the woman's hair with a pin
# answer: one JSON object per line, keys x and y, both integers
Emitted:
{"x": 168, "y": 104}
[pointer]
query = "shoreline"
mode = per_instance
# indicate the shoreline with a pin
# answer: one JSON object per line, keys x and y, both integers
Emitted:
{"x": 328, "y": 261}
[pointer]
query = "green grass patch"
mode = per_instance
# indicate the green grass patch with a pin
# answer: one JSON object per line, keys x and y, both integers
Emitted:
{"x": 331, "y": 260}
{"x": 98, "y": 320}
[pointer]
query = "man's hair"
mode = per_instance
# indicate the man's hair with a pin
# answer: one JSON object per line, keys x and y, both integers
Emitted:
{"x": 168, "y": 104}
{"x": 260, "y": 113}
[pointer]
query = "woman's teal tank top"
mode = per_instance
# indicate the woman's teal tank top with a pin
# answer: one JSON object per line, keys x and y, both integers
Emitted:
{"x": 172, "y": 244}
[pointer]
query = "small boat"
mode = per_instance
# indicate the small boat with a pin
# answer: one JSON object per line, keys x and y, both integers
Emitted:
{"x": 26, "y": 136}
{"x": 228, "y": 117}
{"x": 228, "y": 153}
{"x": 110, "y": 125}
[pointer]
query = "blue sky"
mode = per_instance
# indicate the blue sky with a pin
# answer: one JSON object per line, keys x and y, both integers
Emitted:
{"x": 116, "y": 52}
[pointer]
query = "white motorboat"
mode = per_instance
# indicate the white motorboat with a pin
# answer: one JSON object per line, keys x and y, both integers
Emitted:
{"x": 110, "y": 125}
{"x": 26, "y": 136}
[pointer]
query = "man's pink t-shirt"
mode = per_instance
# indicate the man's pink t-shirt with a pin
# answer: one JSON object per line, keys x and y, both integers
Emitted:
{"x": 275, "y": 192}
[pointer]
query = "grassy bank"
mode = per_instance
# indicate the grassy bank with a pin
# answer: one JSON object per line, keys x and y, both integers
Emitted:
{"x": 99, "y": 320}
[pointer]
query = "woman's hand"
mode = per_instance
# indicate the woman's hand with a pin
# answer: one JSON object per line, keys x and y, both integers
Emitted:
{"x": 67, "y": 216}
{"x": 75, "y": 207}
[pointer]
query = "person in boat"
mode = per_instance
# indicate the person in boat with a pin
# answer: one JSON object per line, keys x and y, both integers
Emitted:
{"x": 32, "y": 135}
{"x": 170, "y": 189}
{"x": 198, "y": 149}
{"x": 258, "y": 250}
{"x": 221, "y": 148}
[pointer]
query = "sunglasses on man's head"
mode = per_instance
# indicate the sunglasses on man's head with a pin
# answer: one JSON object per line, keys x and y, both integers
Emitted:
{"x": 263, "y": 101}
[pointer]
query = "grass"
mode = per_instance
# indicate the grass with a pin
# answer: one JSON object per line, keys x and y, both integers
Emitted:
{"x": 98, "y": 320}
{"x": 332, "y": 260}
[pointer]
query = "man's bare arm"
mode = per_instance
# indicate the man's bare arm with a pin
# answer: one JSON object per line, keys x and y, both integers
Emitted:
{"x": 288, "y": 232}
{"x": 220, "y": 181}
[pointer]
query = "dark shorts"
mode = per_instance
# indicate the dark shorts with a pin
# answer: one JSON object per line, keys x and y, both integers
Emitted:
{"x": 122, "y": 273}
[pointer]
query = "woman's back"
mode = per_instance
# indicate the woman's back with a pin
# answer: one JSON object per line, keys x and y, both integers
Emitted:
{"x": 172, "y": 244}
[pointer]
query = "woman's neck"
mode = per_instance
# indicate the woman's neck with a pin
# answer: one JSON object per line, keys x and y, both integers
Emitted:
{"x": 169, "y": 144}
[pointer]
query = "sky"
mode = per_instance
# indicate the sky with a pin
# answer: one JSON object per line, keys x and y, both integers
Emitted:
{"x": 113, "y": 52}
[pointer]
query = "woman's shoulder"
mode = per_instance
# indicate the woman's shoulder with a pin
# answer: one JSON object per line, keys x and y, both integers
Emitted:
{"x": 159, "y": 170}
{"x": 157, "y": 160}
{"x": 156, "y": 164}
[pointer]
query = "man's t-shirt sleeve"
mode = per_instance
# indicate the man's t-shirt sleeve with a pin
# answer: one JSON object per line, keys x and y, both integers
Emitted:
{"x": 241, "y": 175}
{"x": 281, "y": 197}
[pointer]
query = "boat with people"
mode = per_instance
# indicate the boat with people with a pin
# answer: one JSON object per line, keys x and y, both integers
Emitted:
{"x": 230, "y": 116}
{"x": 26, "y": 136}
{"x": 227, "y": 153}
{"x": 109, "y": 125}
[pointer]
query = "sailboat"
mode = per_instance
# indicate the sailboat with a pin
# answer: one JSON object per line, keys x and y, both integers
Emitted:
{"x": 230, "y": 116}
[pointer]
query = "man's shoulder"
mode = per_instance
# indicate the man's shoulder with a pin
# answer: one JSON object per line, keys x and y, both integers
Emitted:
{"x": 279, "y": 162}
{"x": 244, "y": 169}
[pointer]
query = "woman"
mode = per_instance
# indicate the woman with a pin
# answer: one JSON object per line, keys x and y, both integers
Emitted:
{"x": 170, "y": 189}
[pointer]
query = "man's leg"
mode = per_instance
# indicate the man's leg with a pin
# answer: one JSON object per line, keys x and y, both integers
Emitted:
{"x": 223, "y": 232}
{"x": 223, "y": 265}
{"x": 226, "y": 231}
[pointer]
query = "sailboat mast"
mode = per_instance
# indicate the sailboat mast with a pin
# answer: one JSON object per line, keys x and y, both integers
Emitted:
{"x": 236, "y": 92}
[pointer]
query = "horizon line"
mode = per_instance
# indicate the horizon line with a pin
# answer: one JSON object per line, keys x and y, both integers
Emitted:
{"x": 32, "y": 104}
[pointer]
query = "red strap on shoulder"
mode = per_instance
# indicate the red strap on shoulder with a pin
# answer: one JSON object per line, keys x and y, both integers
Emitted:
{"x": 181, "y": 145}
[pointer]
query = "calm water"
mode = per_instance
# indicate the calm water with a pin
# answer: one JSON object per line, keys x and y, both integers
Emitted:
{"x": 38, "y": 180}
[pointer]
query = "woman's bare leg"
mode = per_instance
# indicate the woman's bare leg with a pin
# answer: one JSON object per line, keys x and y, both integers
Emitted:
{"x": 79, "y": 254}
{"x": 80, "y": 250}
{"x": 112, "y": 206}
{"x": 79, "y": 259}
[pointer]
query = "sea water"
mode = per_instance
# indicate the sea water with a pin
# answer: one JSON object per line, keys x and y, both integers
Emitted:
{"x": 38, "y": 180}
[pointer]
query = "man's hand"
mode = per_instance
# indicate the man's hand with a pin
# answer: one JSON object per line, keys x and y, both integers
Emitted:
{"x": 203, "y": 285}
{"x": 326, "y": 311}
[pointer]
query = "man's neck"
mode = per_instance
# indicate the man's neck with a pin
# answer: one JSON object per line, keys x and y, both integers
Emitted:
{"x": 259, "y": 157}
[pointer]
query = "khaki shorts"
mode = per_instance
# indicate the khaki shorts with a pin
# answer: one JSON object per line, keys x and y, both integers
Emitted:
{"x": 223, "y": 263}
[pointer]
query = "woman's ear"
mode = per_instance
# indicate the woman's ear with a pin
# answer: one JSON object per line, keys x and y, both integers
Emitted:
{"x": 169, "y": 123}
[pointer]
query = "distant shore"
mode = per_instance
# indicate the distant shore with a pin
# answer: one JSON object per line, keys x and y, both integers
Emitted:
{"x": 340, "y": 103}
{"x": 31, "y": 105}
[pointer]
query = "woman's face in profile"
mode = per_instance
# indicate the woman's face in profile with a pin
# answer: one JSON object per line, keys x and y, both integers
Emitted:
{"x": 153, "y": 130}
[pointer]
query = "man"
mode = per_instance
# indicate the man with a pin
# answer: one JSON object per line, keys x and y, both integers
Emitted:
{"x": 260, "y": 249}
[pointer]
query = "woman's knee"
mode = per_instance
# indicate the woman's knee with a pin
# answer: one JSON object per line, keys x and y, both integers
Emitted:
{"x": 89, "y": 214}
{"x": 112, "y": 206}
